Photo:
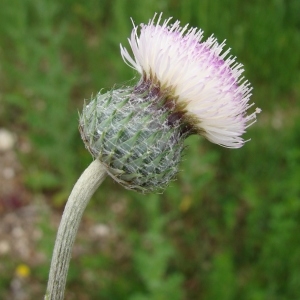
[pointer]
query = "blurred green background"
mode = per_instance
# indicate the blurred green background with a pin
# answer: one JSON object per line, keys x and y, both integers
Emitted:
{"x": 228, "y": 228}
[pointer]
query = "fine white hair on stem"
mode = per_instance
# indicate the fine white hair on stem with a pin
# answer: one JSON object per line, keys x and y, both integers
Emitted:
{"x": 81, "y": 194}
{"x": 202, "y": 77}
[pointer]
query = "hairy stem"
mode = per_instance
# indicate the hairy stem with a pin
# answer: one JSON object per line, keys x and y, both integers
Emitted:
{"x": 82, "y": 192}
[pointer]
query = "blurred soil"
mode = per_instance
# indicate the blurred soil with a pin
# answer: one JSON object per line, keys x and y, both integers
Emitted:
{"x": 18, "y": 216}
{"x": 21, "y": 213}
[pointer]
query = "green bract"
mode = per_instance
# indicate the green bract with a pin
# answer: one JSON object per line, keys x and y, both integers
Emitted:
{"x": 137, "y": 139}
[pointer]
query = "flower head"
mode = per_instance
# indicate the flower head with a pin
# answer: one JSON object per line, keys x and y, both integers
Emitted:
{"x": 186, "y": 86}
{"x": 204, "y": 83}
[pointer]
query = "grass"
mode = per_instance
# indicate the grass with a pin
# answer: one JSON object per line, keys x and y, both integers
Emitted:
{"x": 229, "y": 227}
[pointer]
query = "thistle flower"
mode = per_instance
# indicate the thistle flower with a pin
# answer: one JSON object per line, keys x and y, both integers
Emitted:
{"x": 186, "y": 86}
{"x": 136, "y": 134}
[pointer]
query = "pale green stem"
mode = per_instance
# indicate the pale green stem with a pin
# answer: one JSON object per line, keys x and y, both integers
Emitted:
{"x": 82, "y": 192}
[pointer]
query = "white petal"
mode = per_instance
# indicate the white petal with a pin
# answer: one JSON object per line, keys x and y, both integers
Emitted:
{"x": 210, "y": 85}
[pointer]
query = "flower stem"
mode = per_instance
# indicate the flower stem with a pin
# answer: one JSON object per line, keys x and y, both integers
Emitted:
{"x": 82, "y": 192}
